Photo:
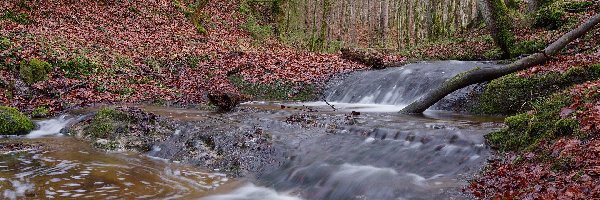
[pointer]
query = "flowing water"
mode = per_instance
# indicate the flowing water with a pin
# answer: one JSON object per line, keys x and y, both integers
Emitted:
{"x": 397, "y": 86}
{"x": 319, "y": 152}
{"x": 65, "y": 167}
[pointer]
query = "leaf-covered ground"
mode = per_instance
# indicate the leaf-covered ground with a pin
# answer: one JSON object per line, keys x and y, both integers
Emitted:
{"x": 566, "y": 167}
{"x": 143, "y": 51}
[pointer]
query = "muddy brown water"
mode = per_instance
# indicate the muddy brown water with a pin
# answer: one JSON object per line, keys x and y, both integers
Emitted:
{"x": 68, "y": 168}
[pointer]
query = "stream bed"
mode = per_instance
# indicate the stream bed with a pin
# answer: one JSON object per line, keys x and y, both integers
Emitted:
{"x": 356, "y": 146}
{"x": 321, "y": 154}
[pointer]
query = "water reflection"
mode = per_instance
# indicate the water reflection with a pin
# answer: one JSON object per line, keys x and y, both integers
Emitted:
{"x": 66, "y": 167}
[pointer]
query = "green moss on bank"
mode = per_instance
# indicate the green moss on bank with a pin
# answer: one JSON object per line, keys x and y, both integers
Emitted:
{"x": 544, "y": 122}
{"x": 77, "y": 67}
{"x": 34, "y": 70}
{"x": 549, "y": 16}
{"x": 13, "y": 122}
{"x": 514, "y": 94}
{"x": 553, "y": 14}
{"x": 527, "y": 47}
{"x": 277, "y": 91}
{"x": 40, "y": 112}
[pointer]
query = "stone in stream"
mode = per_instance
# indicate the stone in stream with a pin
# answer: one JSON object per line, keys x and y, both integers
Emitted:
{"x": 225, "y": 101}
{"x": 207, "y": 143}
{"x": 123, "y": 129}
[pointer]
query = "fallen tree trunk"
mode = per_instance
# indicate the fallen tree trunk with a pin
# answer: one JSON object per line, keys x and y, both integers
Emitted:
{"x": 479, "y": 75}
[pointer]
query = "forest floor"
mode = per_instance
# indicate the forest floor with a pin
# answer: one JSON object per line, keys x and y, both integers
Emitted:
{"x": 111, "y": 52}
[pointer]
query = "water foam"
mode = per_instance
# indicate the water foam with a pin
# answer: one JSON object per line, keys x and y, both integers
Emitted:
{"x": 51, "y": 127}
{"x": 253, "y": 192}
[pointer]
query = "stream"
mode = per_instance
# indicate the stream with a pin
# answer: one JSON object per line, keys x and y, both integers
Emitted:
{"x": 355, "y": 146}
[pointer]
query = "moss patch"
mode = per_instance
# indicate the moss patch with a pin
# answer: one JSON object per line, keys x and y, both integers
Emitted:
{"x": 513, "y": 94}
{"x": 277, "y": 91}
{"x": 20, "y": 18}
{"x": 13, "y": 122}
{"x": 543, "y": 123}
{"x": 549, "y": 16}
{"x": 34, "y": 70}
{"x": 106, "y": 123}
{"x": 527, "y": 47}
{"x": 77, "y": 67}
{"x": 5, "y": 43}
{"x": 257, "y": 17}
{"x": 40, "y": 112}
{"x": 123, "y": 129}
{"x": 194, "y": 13}
{"x": 577, "y": 6}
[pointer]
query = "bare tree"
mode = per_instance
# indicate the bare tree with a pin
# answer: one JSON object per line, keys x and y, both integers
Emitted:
{"x": 384, "y": 21}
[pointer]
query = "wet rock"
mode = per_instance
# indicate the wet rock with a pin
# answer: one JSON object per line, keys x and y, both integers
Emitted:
{"x": 234, "y": 149}
{"x": 225, "y": 101}
{"x": 123, "y": 129}
{"x": 463, "y": 100}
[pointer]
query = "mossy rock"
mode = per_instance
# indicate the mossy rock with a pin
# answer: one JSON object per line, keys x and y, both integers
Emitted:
{"x": 123, "y": 129}
{"x": 106, "y": 123}
{"x": 513, "y": 94}
{"x": 34, "y": 70}
{"x": 13, "y": 122}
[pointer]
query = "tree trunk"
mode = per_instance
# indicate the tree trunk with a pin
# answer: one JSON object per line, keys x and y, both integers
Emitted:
{"x": 495, "y": 14}
{"x": 533, "y": 5}
{"x": 313, "y": 38}
{"x": 479, "y": 75}
{"x": 324, "y": 25}
{"x": 384, "y": 21}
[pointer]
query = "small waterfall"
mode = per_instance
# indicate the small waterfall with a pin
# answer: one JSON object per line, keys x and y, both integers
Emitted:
{"x": 52, "y": 126}
{"x": 397, "y": 86}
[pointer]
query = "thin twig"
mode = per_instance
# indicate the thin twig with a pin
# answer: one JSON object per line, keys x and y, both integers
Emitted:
{"x": 334, "y": 109}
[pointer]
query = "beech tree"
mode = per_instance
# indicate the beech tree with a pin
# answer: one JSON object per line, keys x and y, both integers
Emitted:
{"x": 498, "y": 22}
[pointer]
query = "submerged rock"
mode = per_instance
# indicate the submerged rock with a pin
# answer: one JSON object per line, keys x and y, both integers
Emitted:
{"x": 18, "y": 146}
{"x": 221, "y": 144}
{"x": 13, "y": 122}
